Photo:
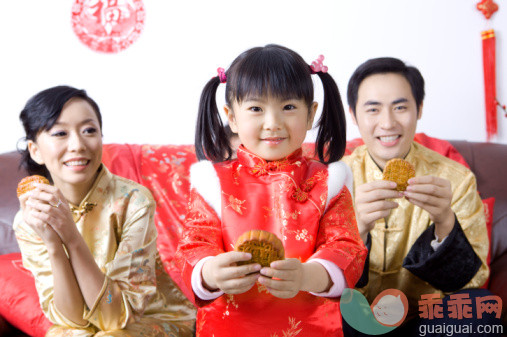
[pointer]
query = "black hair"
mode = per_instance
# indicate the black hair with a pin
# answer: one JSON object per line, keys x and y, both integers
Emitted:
{"x": 40, "y": 114}
{"x": 279, "y": 72}
{"x": 383, "y": 65}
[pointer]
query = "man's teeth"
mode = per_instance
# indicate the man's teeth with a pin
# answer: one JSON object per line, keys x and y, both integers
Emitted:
{"x": 76, "y": 163}
{"x": 388, "y": 139}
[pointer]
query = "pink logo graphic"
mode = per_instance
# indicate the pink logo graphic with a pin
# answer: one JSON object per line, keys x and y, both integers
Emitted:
{"x": 108, "y": 26}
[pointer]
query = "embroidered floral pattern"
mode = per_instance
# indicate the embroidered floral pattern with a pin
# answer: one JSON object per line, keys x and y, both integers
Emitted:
{"x": 235, "y": 203}
{"x": 303, "y": 235}
{"x": 261, "y": 288}
{"x": 264, "y": 167}
{"x": 230, "y": 302}
{"x": 292, "y": 331}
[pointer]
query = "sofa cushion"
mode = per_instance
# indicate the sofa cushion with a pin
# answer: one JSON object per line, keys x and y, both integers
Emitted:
{"x": 19, "y": 302}
{"x": 9, "y": 204}
{"x": 164, "y": 170}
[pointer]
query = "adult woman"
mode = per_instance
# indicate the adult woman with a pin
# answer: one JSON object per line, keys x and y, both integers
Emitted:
{"x": 89, "y": 239}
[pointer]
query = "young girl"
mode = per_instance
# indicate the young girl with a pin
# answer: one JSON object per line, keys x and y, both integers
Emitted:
{"x": 272, "y": 187}
{"x": 90, "y": 240}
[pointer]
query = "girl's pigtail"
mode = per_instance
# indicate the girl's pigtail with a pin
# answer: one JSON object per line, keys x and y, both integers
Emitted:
{"x": 211, "y": 140}
{"x": 331, "y": 137}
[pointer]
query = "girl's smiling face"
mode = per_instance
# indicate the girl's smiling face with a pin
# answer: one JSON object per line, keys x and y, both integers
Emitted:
{"x": 271, "y": 127}
{"x": 72, "y": 149}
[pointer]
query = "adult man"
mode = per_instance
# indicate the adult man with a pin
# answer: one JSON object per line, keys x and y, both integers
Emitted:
{"x": 431, "y": 238}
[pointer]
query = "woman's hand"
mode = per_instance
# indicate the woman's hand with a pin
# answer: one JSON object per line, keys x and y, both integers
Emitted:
{"x": 48, "y": 206}
{"x": 221, "y": 272}
{"x": 286, "y": 278}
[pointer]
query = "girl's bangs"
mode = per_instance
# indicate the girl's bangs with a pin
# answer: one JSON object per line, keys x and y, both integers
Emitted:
{"x": 270, "y": 77}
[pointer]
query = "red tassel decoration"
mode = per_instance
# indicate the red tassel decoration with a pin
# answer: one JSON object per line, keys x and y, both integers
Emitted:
{"x": 489, "y": 64}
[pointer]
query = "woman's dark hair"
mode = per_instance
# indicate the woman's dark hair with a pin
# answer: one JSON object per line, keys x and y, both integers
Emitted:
{"x": 40, "y": 114}
{"x": 383, "y": 65}
{"x": 280, "y": 72}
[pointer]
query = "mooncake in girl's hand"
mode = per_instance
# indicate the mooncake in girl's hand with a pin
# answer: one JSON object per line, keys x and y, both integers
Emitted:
{"x": 264, "y": 246}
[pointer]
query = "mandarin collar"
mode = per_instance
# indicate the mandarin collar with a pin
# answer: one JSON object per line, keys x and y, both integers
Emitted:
{"x": 89, "y": 201}
{"x": 260, "y": 166}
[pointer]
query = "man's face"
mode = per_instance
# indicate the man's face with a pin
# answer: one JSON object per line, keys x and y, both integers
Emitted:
{"x": 386, "y": 115}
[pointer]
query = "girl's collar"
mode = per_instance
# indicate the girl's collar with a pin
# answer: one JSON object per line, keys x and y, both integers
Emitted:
{"x": 259, "y": 166}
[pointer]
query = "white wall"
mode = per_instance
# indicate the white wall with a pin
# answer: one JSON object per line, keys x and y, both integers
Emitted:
{"x": 149, "y": 93}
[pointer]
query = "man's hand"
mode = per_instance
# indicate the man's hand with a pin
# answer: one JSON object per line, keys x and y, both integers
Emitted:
{"x": 434, "y": 195}
{"x": 371, "y": 201}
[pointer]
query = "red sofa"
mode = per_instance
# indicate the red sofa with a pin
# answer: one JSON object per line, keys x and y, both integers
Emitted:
{"x": 164, "y": 170}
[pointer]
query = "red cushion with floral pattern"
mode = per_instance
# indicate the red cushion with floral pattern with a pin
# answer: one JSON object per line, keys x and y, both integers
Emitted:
{"x": 19, "y": 302}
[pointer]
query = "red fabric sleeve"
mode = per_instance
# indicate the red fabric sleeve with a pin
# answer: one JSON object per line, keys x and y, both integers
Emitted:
{"x": 202, "y": 237}
{"x": 338, "y": 240}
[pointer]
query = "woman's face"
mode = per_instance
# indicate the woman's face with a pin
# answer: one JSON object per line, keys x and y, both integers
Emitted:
{"x": 72, "y": 148}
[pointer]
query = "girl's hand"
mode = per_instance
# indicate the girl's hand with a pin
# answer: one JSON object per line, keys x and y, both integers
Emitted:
{"x": 286, "y": 278}
{"x": 221, "y": 272}
{"x": 49, "y": 206}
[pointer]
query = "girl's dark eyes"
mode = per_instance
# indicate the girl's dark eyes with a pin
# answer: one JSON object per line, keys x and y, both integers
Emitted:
{"x": 255, "y": 109}
{"x": 90, "y": 130}
{"x": 289, "y": 107}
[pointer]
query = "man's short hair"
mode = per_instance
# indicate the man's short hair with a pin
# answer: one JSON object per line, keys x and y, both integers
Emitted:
{"x": 383, "y": 65}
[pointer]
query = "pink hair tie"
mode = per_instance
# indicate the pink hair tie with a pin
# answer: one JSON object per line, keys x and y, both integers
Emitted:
{"x": 221, "y": 75}
{"x": 318, "y": 66}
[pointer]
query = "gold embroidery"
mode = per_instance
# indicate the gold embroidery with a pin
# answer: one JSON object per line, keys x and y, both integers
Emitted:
{"x": 264, "y": 167}
{"x": 235, "y": 203}
{"x": 230, "y": 301}
{"x": 292, "y": 330}
{"x": 261, "y": 288}
{"x": 303, "y": 235}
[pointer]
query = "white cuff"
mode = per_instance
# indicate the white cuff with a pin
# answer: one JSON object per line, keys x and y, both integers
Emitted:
{"x": 435, "y": 244}
{"x": 336, "y": 275}
{"x": 196, "y": 280}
